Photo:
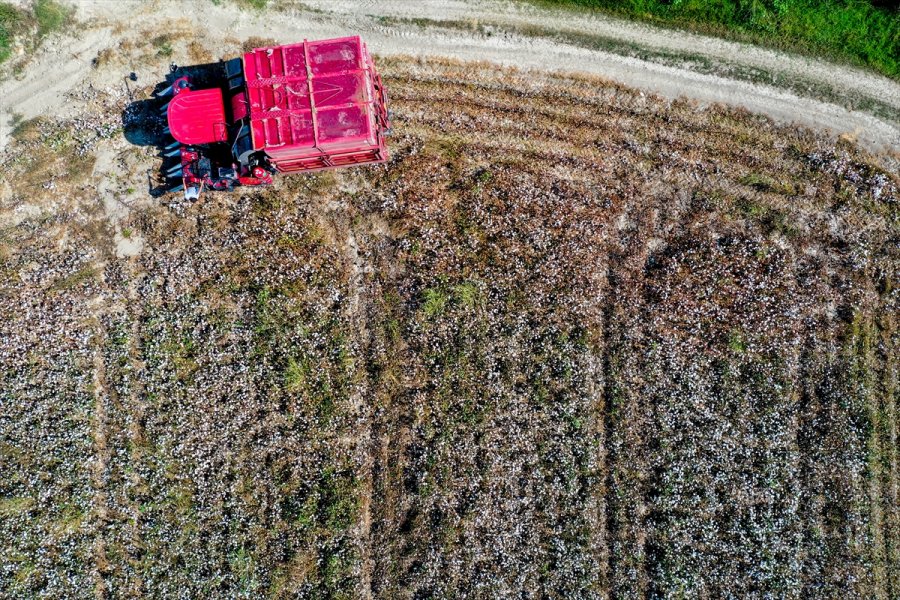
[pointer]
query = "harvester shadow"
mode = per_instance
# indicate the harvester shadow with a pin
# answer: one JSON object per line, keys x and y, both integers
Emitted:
{"x": 144, "y": 123}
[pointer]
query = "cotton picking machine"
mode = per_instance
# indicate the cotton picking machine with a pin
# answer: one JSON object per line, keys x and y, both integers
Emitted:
{"x": 283, "y": 109}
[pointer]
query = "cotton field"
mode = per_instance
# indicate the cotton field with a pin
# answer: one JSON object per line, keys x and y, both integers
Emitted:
{"x": 571, "y": 342}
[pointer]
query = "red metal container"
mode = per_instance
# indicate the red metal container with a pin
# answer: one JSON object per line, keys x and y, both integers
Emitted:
{"x": 301, "y": 107}
{"x": 315, "y": 105}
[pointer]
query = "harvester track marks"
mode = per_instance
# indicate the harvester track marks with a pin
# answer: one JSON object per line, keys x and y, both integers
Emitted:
{"x": 100, "y": 472}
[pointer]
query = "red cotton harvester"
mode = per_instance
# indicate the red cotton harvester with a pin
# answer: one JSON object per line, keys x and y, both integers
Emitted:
{"x": 284, "y": 109}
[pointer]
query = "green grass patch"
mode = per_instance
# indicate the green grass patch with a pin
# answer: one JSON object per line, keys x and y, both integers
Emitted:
{"x": 10, "y": 19}
{"x": 15, "y": 506}
{"x": 448, "y": 146}
{"x": 83, "y": 275}
{"x": 163, "y": 45}
{"x": 466, "y": 294}
{"x": 70, "y": 520}
{"x": 44, "y": 17}
{"x": 736, "y": 342}
{"x": 182, "y": 352}
{"x": 243, "y": 569}
{"x": 338, "y": 499}
{"x": 296, "y": 373}
{"x": 434, "y": 301}
{"x": 51, "y": 16}
{"x": 313, "y": 355}
{"x": 437, "y": 300}
{"x": 758, "y": 182}
{"x": 254, "y": 4}
{"x": 854, "y": 30}
{"x": 769, "y": 218}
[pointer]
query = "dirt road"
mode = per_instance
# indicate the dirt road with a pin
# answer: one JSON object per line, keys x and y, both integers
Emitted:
{"x": 833, "y": 98}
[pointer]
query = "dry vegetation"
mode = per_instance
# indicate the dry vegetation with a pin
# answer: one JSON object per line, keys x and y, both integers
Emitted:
{"x": 571, "y": 342}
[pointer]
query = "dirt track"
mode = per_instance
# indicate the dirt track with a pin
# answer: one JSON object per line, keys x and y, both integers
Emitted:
{"x": 485, "y": 30}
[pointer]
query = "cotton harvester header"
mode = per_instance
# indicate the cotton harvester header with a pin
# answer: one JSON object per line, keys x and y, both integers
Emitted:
{"x": 301, "y": 107}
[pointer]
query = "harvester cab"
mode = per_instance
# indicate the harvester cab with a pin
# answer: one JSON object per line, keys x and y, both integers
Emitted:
{"x": 282, "y": 109}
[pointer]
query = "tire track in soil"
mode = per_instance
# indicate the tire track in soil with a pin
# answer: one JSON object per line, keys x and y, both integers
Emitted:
{"x": 611, "y": 525}
{"x": 116, "y": 478}
{"x": 883, "y": 485}
{"x": 373, "y": 445}
{"x": 359, "y": 302}
{"x": 876, "y": 480}
{"x": 892, "y": 520}
{"x": 136, "y": 413}
{"x": 100, "y": 469}
{"x": 598, "y": 385}
{"x": 881, "y": 362}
